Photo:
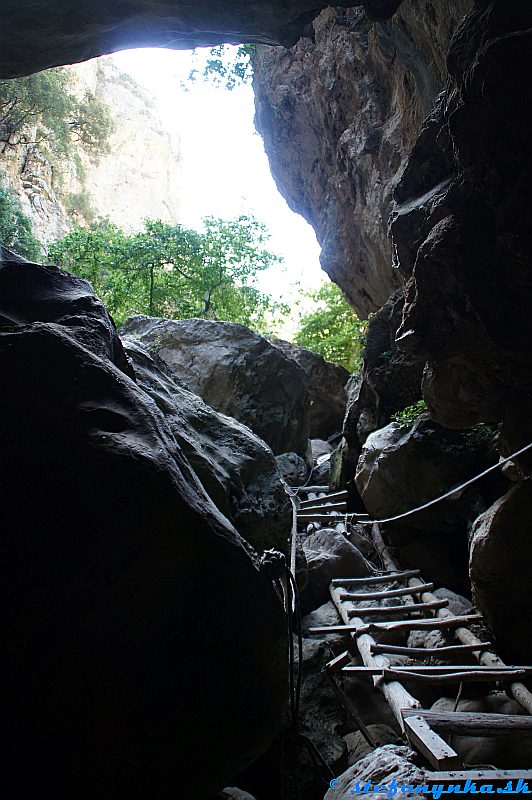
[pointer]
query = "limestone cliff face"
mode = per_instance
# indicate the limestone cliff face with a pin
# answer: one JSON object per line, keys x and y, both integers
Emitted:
{"x": 139, "y": 177}
{"x": 339, "y": 115}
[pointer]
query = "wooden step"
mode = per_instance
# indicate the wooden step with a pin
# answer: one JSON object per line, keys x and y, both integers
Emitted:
{"x": 307, "y": 489}
{"x": 469, "y": 723}
{"x": 336, "y": 496}
{"x": 332, "y": 518}
{"x": 479, "y": 775}
{"x": 424, "y": 624}
{"x": 323, "y": 508}
{"x": 387, "y": 610}
{"x": 438, "y": 669}
{"x": 425, "y": 652}
{"x": 472, "y": 676}
{"x": 404, "y": 591}
{"x": 400, "y": 625}
{"x": 388, "y": 577}
{"x": 430, "y": 744}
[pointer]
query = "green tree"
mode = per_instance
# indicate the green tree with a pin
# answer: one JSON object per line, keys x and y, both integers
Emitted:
{"x": 15, "y": 226}
{"x": 43, "y": 101}
{"x": 332, "y": 329}
{"x": 226, "y": 65}
{"x": 171, "y": 271}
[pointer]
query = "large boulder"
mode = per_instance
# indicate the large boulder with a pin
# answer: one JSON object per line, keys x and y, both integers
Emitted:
{"x": 234, "y": 370}
{"x": 329, "y": 554}
{"x": 506, "y": 751}
{"x": 237, "y": 470}
{"x": 122, "y": 583}
{"x": 327, "y": 389}
{"x": 403, "y": 466}
{"x": 390, "y": 765}
{"x": 500, "y": 566}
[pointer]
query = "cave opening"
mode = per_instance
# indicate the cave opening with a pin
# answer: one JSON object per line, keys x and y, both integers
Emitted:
{"x": 145, "y": 474}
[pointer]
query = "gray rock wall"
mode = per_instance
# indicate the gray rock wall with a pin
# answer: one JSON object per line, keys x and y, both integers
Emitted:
{"x": 339, "y": 115}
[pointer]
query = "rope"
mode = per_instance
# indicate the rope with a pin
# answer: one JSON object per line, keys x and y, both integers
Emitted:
{"x": 448, "y": 494}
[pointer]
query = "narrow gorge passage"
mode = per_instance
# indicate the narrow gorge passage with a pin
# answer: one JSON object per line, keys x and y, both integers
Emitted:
{"x": 195, "y": 604}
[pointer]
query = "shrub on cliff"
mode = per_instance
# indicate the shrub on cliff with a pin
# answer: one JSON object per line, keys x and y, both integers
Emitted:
{"x": 15, "y": 226}
{"x": 41, "y": 109}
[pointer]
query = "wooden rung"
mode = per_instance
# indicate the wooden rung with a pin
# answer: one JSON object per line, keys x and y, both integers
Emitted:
{"x": 333, "y": 518}
{"x": 384, "y": 610}
{"x": 400, "y": 625}
{"x": 481, "y": 775}
{"x": 338, "y": 662}
{"x": 423, "y": 624}
{"x": 439, "y": 669}
{"x": 336, "y": 496}
{"x": 436, "y": 751}
{"x": 405, "y": 590}
{"x": 371, "y": 579}
{"x": 323, "y": 507}
{"x": 471, "y": 722}
{"x": 307, "y": 489}
{"x": 425, "y": 652}
{"x": 474, "y": 676}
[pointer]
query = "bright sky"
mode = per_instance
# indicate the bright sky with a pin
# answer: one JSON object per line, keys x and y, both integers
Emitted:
{"x": 225, "y": 169}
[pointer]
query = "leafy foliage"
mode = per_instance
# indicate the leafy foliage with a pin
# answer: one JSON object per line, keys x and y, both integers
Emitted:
{"x": 333, "y": 329}
{"x": 15, "y": 226}
{"x": 409, "y": 414}
{"x": 171, "y": 271}
{"x": 44, "y": 101}
{"x": 227, "y": 65}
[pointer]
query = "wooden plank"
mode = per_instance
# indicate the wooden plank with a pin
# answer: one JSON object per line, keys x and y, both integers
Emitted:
{"x": 439, "y": 669}
{"x": 436, "y": 751}
{"x": 517, "y": 690}
{"x": 474, "y": 676}
{"x": 425, "y": 652}
{"x": 332, "y": 518}
{"x": 421, "y": 624}
{"x": 339, "y": 661}
{"x": 408, "y": 609}
{"x": 328, "y": 498}
{"x": 388, "y": 577}
{"x": 324, "y": 507}
{"x": 481, "y": 775}
{"x": 402, "y": 592}
{"x": 476, "y": 723}
{"x": 307, "y": 489}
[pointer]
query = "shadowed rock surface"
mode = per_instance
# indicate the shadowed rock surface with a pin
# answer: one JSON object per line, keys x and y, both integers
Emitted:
{"x": 113, "y": 561}
{"x": 51, "y": 32}
{"x": 329, "y": 555}
{"x": 500, "y": 572}
{"x": 236, "y": 468}
{"x": 462, "y": 228}
{"x": 234, "y": 370}
{"x": 404, "y": 466}
{"x": 327, "y": 389}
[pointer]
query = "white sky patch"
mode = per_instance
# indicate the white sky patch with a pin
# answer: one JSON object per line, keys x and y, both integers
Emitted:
{"x": 225, "y": 168}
